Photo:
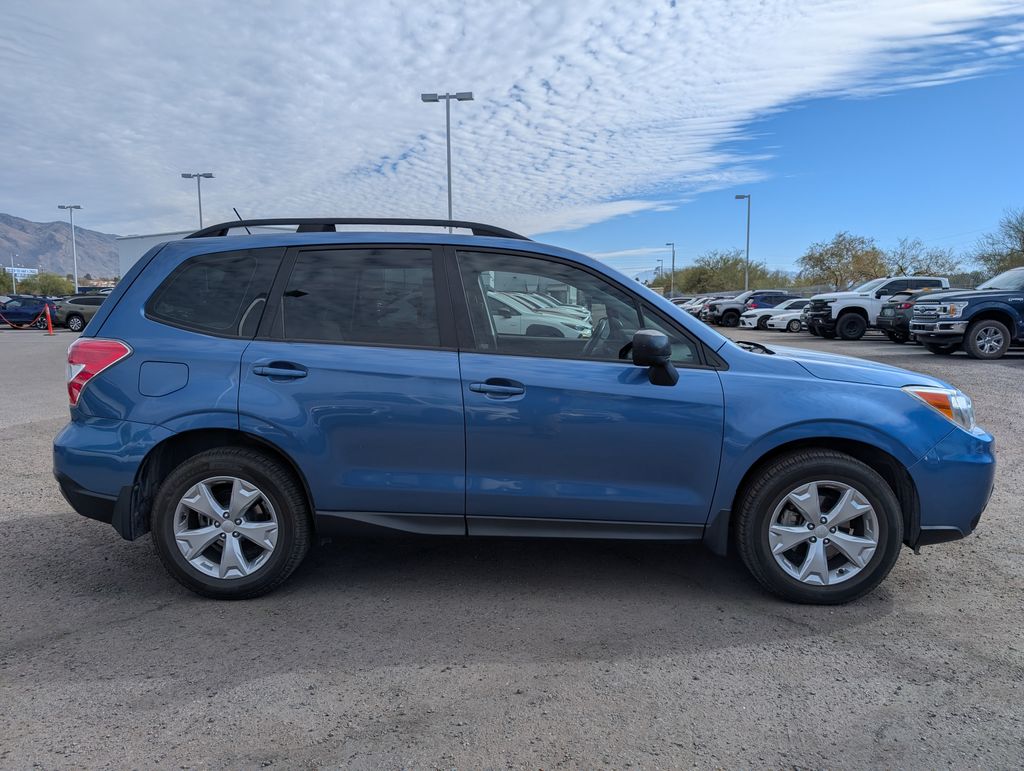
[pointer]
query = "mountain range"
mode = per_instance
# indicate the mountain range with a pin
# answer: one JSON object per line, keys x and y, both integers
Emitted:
{"x": 47, "y": 247}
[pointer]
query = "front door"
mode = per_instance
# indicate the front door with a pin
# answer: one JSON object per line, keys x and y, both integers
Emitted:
{"x": 356, "y": 377}
{"x": 561, "y": 428}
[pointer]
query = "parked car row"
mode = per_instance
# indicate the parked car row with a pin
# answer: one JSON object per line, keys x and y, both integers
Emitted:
{"x": 73, "y": 312}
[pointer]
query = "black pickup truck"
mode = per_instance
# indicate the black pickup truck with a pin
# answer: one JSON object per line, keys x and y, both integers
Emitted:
{"x": 984, "y": 322}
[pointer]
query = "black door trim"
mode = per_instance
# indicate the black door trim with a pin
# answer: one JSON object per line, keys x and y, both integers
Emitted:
{"x": 538, "y": 527}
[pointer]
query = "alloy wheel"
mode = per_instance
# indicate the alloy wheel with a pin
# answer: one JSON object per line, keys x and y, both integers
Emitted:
{"x": 989, "y": 340}
{"x": 823, "y": 533}
{"x": 225, "y": 527}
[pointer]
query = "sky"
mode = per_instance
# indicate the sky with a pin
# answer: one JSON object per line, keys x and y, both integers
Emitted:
{"x": 607, "y": 127}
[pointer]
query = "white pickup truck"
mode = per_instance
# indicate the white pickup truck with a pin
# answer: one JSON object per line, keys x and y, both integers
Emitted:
{"x": 848, "y": 315}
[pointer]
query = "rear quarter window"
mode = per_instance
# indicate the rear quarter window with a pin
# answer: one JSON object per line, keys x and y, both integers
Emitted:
{"x": 220, "y": 294}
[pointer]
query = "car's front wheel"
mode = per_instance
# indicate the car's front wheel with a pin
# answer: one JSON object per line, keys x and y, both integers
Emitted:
{"x": 231, "y": 523}
{"x": 818, "y": 526}
{"x": 987, "y": 339}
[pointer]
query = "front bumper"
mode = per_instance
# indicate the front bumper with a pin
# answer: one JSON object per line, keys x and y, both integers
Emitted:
{"x": 821, "y": 321}
{"x": 941, "y": 331}
{"x": 954, "y": 482}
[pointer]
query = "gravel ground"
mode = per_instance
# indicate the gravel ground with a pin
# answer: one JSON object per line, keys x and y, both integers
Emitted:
{"x": 457, "y": 653}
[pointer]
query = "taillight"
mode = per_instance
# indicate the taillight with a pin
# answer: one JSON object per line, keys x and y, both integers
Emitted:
{"x": 905, "y": 306}
{"x": 753, "y": 306}
{"x": 88, "y": 357}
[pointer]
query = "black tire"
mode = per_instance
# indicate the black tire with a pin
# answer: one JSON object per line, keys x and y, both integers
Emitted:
{"x": 942, "y": 349}
{"x": 75, "y": 322}
{"x": 851, "y": 326}
{"x": 897, "y": 337}
{"x": 793, "y": 325}
{"x": 828, "y": 334}
{"x": 762, "y": 322}
{"x": 987, "y": 339}
{"x": 282, "y": 489}
{"x": 730, "y": 319}
{"x": 774, "y": 482}
{"x": 812, "y": 330}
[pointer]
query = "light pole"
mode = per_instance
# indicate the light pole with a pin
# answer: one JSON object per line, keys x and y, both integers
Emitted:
{"x": 672, "y": 291}
{"x": 199, "y": 177}
{"x": 74, "y": 249}
{"x": 14, "y": 279}
{"x": 746, "y": 265}
{"x": 661, "y": 268}
{"x": 459, "y": 96}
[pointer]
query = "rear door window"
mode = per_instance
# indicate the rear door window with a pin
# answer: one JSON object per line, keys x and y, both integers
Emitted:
{"x": 366, "y": 296}
{"x": 220, "y": 294}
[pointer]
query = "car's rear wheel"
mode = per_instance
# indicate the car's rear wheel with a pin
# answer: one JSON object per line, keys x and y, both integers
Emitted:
{"x": 75, "y": 323}
{"x": 730, "y": 319}
{"x": 851, "y": 326}
{"x": 987, "y": 339}
{"x": 942, "y": 349}
{"x": 898, "y": 337}
{"x": 794, "y": 325}
{"x": 818, "y": 526}
{"x": 231, "y": 523}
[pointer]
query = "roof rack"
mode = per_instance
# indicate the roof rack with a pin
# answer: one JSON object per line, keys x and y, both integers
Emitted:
{"x": 327, "y": 225}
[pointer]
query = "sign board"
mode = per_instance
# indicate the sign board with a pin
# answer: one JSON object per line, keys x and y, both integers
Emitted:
{"x": 20, "y": 273}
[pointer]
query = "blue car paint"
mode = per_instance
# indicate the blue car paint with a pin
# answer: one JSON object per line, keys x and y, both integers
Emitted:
{"x": 373, "y": 429}
{"x": 605, "y": 445}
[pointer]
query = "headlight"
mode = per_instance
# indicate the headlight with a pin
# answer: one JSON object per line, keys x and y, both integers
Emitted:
{"x": 829, "y": 300}
{"x": 952, "y": 309}
{"x": 954, "y": 405}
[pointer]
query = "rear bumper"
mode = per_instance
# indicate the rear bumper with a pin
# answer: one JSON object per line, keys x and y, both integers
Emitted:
{"x": 95, "y": 462}
{"x": 954, "y": 482}
{"x": 893, "y": 324}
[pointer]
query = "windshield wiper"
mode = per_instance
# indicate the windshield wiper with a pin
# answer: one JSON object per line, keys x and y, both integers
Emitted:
{"x": 755, "y": 346}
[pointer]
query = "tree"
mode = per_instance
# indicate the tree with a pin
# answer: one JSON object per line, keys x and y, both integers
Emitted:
{"x": 1003, "y": 249}
{"x": 6, "y": 284}
{"x": 910, "y": 258}
{"x": 47, "y": 284}
{"x": 843, "y": 260}
{"x": 716, "y": 270}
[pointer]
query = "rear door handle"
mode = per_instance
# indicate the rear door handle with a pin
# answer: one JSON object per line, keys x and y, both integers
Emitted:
{"x": 498, "y": 388}
{"x": 282, "y": 369}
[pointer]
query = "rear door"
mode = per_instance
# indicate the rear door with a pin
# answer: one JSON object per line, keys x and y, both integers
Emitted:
{"x": 355, "y": 375}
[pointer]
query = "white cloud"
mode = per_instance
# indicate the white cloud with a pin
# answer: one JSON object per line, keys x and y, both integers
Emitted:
{"x": 584, "y": 110}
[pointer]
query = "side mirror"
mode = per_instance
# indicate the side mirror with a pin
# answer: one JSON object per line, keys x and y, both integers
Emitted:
{"x": 881, "y": 293}
{"x": 652, "y": 349}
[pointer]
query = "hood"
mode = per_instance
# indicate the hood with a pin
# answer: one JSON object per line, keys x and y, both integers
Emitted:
{"x": 958, "y": 295}
{"x": 841, "y": 295}
{"x": 846, "y": 369}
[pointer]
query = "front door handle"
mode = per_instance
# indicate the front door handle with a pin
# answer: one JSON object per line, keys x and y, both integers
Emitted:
{"x": 498, "y": 388}
{"x": 282, "y": 369}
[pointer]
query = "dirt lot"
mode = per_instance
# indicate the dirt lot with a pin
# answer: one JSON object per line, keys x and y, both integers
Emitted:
{"x": 435, "y": 653}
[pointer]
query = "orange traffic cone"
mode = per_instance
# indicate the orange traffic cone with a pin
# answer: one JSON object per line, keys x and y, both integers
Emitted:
{"x": 49, "y": 321}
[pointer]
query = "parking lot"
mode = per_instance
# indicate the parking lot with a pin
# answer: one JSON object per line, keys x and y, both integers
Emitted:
{"x": 492, "y": 653}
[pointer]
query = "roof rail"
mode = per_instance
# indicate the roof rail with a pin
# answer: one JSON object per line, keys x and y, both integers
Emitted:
{"x": 327, "y": 225}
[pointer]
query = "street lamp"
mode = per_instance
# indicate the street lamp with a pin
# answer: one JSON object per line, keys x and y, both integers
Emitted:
{"x": 661, "y": 268}
{"x": 672, "y": 291}
{"x": 199, "y": 177}
{"x": 459, "y": 96}
{"x": 74, "y": 249}
{"x": 746, "y": 266}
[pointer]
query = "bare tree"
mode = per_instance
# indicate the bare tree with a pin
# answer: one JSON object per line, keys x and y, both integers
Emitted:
{"x": 1003, "y": 249}
{"x": 910, "y": 257}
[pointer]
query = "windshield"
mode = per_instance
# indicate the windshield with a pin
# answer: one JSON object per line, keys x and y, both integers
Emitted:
{"x": 874, "y": 283}
{"x": 1011, "y": 279}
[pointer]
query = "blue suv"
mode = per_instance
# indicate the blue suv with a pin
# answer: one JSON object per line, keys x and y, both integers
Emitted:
{"x": 241, "y": 395}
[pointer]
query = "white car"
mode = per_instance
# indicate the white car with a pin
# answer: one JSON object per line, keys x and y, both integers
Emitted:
{"x": 512, "y": 317}
{"x": 758, "y": 318}
{"x": 788, "y": 321}
{"x": 545, "y": 304}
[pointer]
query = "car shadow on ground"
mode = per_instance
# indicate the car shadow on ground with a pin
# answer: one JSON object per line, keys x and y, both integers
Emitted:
{"x": 362, "y": 604}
